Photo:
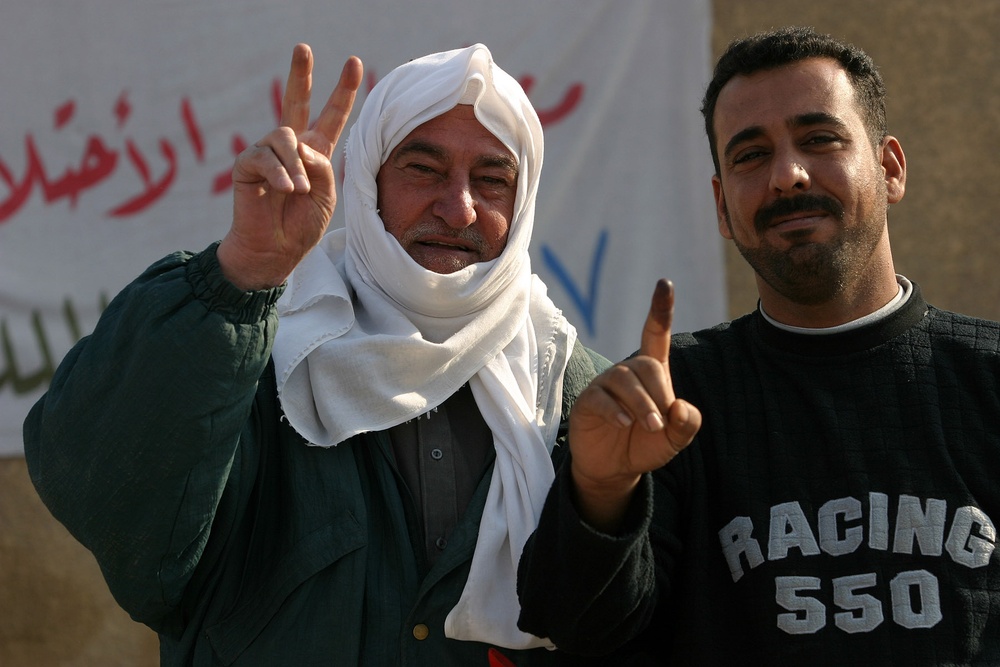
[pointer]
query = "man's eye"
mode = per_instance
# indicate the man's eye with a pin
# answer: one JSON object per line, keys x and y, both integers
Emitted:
{"x": 495, "y": 181}
{"x": 747, "y": 156}
{"x": 822, "y": 139}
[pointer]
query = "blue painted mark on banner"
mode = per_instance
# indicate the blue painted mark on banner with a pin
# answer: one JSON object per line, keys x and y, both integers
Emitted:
{"x": 585, "y": 302}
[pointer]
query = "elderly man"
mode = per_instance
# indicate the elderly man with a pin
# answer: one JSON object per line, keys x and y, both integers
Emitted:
{"x": 838, "y": 506}
{"x": 339, "y": 464}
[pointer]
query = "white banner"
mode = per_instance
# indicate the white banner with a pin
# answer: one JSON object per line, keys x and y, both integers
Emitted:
{"x": 121, "y": 121}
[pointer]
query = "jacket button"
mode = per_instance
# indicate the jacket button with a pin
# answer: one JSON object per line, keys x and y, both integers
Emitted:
{"x": 420, "y": 631}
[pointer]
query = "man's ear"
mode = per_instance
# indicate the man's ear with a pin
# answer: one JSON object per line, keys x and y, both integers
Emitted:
{"x": 894, "y": 169}
{"x": 721, "y": 211}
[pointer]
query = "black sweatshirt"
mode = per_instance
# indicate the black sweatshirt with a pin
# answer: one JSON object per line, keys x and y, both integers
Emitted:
{"x": 837, "y": 507}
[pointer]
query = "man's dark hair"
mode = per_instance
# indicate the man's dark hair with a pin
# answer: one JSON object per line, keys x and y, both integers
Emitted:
{"x": 768, "y": 50}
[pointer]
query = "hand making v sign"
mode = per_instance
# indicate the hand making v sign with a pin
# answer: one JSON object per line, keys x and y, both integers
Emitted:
{"x": 284, "y": 187}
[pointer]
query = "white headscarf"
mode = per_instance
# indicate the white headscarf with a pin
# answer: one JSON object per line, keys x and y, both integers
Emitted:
{"x": 369, "y": 339}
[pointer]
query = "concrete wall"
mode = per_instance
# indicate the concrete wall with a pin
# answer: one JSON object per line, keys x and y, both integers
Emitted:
{"x": 942, "y": 68}
{"x": 941, "y": 64}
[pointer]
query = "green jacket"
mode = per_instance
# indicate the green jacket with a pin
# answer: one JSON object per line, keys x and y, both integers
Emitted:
{"x": 160, "y": 446}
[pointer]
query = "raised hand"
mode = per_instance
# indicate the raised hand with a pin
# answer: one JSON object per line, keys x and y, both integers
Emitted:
{"x": 284, "y": 192}
{"x": 628, "y": 422}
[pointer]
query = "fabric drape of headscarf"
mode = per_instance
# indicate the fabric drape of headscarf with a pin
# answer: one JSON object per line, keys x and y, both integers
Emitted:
{"x": 369, "y": 339}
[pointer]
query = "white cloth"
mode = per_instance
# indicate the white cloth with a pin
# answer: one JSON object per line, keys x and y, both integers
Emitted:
{"x": 368, "y": 339}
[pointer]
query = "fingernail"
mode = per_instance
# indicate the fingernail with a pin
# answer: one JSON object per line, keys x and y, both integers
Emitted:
{"x": 654, "y": 422}
{"x": 301, "y": 183}
{"x": 624, "y": 419}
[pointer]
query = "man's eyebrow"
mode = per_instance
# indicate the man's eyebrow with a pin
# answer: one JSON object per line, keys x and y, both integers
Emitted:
{"x": 803, "y": 120}
{"x": 817, "y": 118}
{"x": 500, "y": 160}
{"x": 420, "y": 147}
{"x": 432, "y": 150}
{"x": 745, "y": 134}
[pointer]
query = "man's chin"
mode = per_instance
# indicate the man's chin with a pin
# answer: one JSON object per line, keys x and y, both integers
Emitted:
{"x": 443, "y": 263}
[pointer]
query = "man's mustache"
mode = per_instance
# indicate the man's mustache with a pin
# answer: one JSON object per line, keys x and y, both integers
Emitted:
{"x": 797, "y": 204}
{"x": 470, "y": 235}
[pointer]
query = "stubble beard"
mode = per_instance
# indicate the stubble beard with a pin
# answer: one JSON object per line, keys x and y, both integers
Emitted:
{"x": 812, "y": 273}
{"x": 469, "y": 235}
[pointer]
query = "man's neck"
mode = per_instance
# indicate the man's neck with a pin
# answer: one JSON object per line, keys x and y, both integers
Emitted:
{"x": 836, "y": 319}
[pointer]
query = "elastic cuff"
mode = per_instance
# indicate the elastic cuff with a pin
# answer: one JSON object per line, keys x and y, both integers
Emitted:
{"x": 638, "y": 514}
{"x": 212, "y": 287}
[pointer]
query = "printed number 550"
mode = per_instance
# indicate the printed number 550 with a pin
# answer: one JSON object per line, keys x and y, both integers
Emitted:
{"x": 915, "y": 603}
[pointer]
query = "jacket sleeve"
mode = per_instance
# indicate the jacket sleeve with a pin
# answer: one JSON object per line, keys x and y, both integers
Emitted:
{"x": 132, "y": 445}
{"x": 587, "y": 591}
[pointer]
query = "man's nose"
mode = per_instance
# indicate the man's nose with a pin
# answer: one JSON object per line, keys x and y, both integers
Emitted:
{"x": 456, "y": 204}
{"x": 789, "y": 173}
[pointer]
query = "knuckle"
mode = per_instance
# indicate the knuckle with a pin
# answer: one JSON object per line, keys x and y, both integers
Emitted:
{"x": 644, "y": 365}
{"x": 284, "y": 134}
{"x": 619, "y": 370}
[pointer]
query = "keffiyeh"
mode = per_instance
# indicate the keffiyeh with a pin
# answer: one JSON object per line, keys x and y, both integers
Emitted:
{"x": 369, "y": 339}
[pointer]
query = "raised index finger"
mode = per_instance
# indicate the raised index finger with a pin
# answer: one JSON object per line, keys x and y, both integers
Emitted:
{"x": 656, "y": 332}
{"x": 337, "y": 110}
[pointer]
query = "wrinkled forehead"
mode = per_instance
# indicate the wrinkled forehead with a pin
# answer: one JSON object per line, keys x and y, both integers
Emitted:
{"x": 807, "y": 86}
{"x": 455, "y": 131}
{"x": 473, "y": 93}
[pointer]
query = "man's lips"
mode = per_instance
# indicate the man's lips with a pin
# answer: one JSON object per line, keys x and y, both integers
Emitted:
{"x": 797, "y": 220}
{"x": 447, "y": 244}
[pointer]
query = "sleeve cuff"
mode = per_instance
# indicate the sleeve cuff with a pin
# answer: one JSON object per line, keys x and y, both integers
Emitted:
{"x": 211, "y": 287}
{"x": 635, "y": 523}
